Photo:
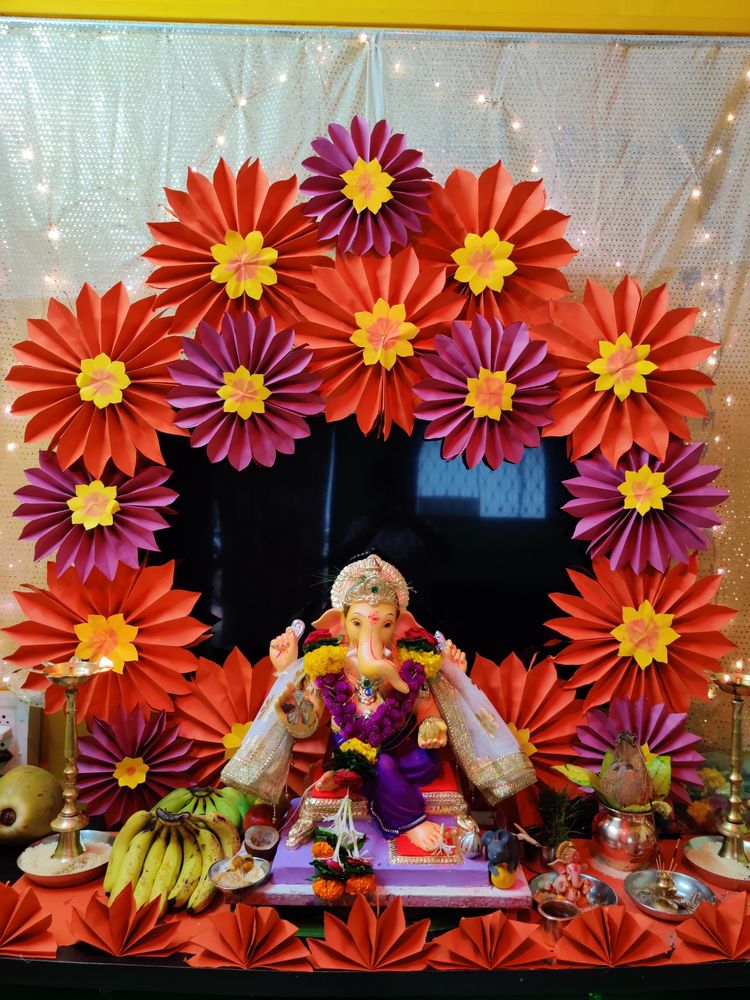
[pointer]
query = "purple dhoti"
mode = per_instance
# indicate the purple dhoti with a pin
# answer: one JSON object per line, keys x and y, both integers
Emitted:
{"x": 393, "y": 791}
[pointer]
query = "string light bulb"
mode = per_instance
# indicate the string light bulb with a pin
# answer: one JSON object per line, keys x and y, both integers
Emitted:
{"x": 515, "y": 124}
{"x": 241, "y": 102}
{"x": 695, "y": 193}
{"x": 27, "y": 153}
{"x": 283, "y": 77}
{"x": 481, "y": 99}
{"x": 53, "y": 233}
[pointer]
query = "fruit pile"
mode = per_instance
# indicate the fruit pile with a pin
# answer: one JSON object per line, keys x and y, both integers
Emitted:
{"x": 227, "y": 802}
{"x": 167, "y": 855}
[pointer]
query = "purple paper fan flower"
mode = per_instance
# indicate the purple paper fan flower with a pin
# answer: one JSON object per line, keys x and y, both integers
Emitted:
{"x": 130, "y": 763}
{"x": 490, "y": 391}
{"x": 245, "y": 392}
{"x": 368, "y": 189}
{"x": 675, "y": 496}
{"x": 92, "y": 522}
{"x": 662, "y": 731}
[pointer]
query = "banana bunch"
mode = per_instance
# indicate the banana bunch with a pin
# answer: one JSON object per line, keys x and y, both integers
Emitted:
{"x": 168, "y": 855}
{"x": 199, "y": 801}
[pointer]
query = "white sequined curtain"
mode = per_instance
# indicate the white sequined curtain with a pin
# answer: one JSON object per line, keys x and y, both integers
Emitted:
{"x": 644, "y": 141}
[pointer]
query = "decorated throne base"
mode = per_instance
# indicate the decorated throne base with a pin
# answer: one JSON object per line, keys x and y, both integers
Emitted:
{"x": 417, "y": 880}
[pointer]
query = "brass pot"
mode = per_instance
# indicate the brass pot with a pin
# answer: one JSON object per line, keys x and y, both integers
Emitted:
{"x": 623, "y": 840}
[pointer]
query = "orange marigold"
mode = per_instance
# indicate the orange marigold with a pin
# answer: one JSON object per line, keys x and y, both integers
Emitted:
{"x": 322, "y": 849}
{"x": 328, "y": 889}
{"x": 360, "y": 885}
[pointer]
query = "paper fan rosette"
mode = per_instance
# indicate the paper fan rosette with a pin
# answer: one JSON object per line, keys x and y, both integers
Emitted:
{"x": 368, "y": 188}
{"x": 627, "y": 370}
{"x": 130, "y": 763}
{"x": 658, "y": 731}
{"x": 369, "y": 322}
{"x": 488, "y": 394}
{"x": 649, "y": 635}
{"x": 92, "y": 522}
{"x": 136, "y": 620}
{"x": 237, "y": 244}
{"x": 644, "y": 511}
{"x": 502, "y": 246}
{"x": 95, "y": 380}
{"x": 245, "y": 392}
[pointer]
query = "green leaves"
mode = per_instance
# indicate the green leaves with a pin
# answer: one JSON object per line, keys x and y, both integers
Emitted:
{"x": 659, "y": 769}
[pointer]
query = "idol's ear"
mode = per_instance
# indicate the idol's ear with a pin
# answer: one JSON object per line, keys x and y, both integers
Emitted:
{"x": 333, "y": 620}
{"x": 404, "y": 622}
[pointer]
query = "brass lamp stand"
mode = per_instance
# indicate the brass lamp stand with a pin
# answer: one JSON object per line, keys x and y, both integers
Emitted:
{"x": 733, "y": 829}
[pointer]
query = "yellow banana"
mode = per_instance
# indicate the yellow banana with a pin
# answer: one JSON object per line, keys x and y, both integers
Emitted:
{"x": 130, "y": 869}
{"x": 210, "y": 852}
{"x": 151, "y": 865}
{"x": 224, "y": 830}
{"x": 190, "y": 871}
{"x": 133, "y": 825}
{"x": 168, "y": 870}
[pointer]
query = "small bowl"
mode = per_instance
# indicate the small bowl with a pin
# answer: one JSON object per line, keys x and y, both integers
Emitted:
{"x": 556, "y": 914}
{"x": 219, "y": 867}
{"x": 639, "y": 886}
{"x": 261, "y": 841}
{"x": 600, "y": 894}
{"x": 69, "y": 878}
{"x": 723, "y": 881}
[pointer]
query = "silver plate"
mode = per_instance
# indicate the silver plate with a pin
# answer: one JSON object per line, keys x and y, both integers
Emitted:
{"x": 70, "y": 878}
{"x": 639, "y": 886}
{"x": 600, "y": 894}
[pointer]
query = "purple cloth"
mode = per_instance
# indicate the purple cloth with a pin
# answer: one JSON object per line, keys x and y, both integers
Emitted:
{"x": 393, "y": 792}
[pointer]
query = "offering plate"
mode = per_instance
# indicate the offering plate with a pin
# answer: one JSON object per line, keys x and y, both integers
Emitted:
{"x": 600, "y": 894}
{"x": 642, "y": 887}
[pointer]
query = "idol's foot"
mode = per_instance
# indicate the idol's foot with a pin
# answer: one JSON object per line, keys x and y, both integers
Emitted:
{"x": 325, "y": 782}
{"x": 426, "y": 836}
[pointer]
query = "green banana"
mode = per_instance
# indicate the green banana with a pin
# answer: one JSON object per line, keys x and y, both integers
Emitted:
{"x": 190, "y": 805}
{"x": 224, "y": 830}
{"x": 200, "y": 807}
{"x": 174, "y": 801}
{"x": 224, "y": 807}
{"x": 210, "y": 852}
{"x": 168, "y": 870}
{"x": 234, "y": 795}
{"x": 132, "y": 826}
{"x": 130, "y": 869}
{"x": 190, "y": 871}
{"x": 152, "y": 863}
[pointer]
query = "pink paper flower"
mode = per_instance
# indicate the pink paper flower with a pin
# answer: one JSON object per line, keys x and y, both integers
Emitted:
{"x": 130, "y": 763}
{"x": 369, "y": 190}
{"x": 92, "y": 521}
{"x": 490, "y": 391}
{"x": 645, "y": 512}
{"x": 660, "y": 733}
{"x": 245, "y": 392}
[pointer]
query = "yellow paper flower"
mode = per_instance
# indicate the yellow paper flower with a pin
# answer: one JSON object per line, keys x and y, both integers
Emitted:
{"x": 384, "y": 335}
{"x": 367, "y": 185}
{"x": 490, "y": 394}
{"x": 233, "y": 739}
{"x": 523, "y": 739}
{"x": 432, "y": 662}
{"x": 324, "y": 660}
{"x": 645, "y": 635}
{"x": 102, "y": 380}
{"x": 130, "y": 772}
{"x": 363, "y": 749}
{"x": 93, "y": 505}
{"x": 644, "y": 490}
{"x": 712, "y": 779}
{"x": 622, "y": 367}
{"x": 244, "y": 264}
{"x": 111, "y": 637}
{"x": 701, "y": 811}
{"x": 484, "y": 261}
{"x": 243, "y": 393}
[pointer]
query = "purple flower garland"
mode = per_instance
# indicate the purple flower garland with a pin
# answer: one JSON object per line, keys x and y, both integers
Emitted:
{"x": 387, "y": 719}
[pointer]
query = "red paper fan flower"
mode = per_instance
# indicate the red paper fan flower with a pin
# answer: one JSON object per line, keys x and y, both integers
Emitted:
{"x": 649, "y": 635}
{"x": 502, "y": 247}
{"x": 130, "y": 763}
{"x": 715, "y": 932}
{"x": 371, "y": 943}
{"x": 540, "y": 712}
{"x": 368, "y": 320}
{"x": 252, "y": 937}
{"x": 24, "y": 926}
{"x": 492, "y": 941}
{"x": 136, "y": 620}
{"x": 96, "y": 380}
{"x": 239, "y": 244}
{"x": 120, "y": 928}
{"x": 217, "y": 708}
{"x": 626, "y": 370}
{"x": 609, "y": 935}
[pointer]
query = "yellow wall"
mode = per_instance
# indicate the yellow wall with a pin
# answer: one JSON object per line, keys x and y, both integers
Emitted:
{"x": 666, "y": 16}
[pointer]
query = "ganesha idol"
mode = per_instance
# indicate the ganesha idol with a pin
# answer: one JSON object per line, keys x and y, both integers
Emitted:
{"x": 398, "y": 701}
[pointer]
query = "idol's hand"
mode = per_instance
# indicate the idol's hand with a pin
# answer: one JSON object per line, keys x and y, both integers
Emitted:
{"x": 433, "y": 734}
{"x": 283, "y": 650}
{"x": 454, "y": 656}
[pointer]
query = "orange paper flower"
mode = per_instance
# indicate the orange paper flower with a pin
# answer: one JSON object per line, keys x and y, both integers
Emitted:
{"x": 716, "y": 932}
{"x": 96, "y": 380}
{"x": 252, "y": 937}
{"x": 647, "y": 635}
{"x": 626, "y": 370}
{"x": 368, "y": 320}
{"x": 609, "y": 935}
{"x": 136, "y": 620}
{"x": 492, "y": 941}
{"x": 24, "y": 926}
{"x": 502, "y": 247}
{"x": 120, "y": 928}
{"x": 371, "y": 943}
{"x": 239, "y": 244}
